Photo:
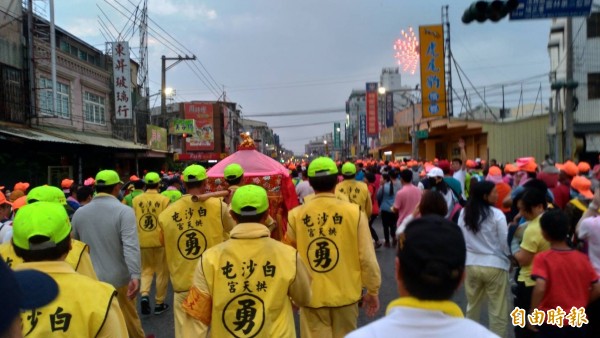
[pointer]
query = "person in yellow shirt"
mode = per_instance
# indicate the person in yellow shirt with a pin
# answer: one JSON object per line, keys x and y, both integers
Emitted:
{"x": 357, "y": 191}
{"x": 333, "y": 240}
{"x": 187, "y": 228}
{"x": 79, "y": 255}
{"x": 147, "y": 207}
{"x": 138, "y": 189}
{"x": 250, "y": 273}
{"x": 532, "y": 205}
{"x": 84, "y": 307}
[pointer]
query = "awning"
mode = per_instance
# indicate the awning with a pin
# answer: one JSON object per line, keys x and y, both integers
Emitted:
{"x": 33, "y": 134}
{"x": 96, "y": 140}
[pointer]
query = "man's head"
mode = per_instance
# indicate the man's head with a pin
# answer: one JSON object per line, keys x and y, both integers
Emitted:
{"x": 431, "y": 259}
{"x": 152, "y": 180}
{"x": 250, "y": 204}
{"x": 406, "y": 176}
{"x": 108, "y": 182}
{"x": 456, "y": 164}
{"x": 46, "y": 193}
{"x": 84, "y": 194}
{"x": 435, "y": 175}
{"x": 42, "y": 232}
{"x": 322, "y": 174}
{"x": 234, "y": 173}
{"x": 555, "y": 225}
{"x": 349, "y": 170}
{"x": 194, "y": 176}
{"x": 22, "y": 290}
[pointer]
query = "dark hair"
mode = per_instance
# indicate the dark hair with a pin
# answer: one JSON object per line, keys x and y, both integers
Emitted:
{"x": 139, "y": 184}
{"x": 174, "y": 180}
{"x": 234, "y": 181}
{"x": 249, "y": 218}
{"x": 533, "y": 197}
{"x": 458, "y": 160}
{"x": 106, "y": 189}
{"x": 370, "y": 177}
{"x": 49, "y": 254}
{"x": 536, "y": 184}
{"x": 394, "y": 173}
{"x": 193, "y": 185}
{"x": 555, "y": 224}
{"x": 152, "y": 186}
{"x": 478, "y": 209}
{"x": 294, "y": 172}
{"x": 349, "y": 177}
{"x": 406, "y": 175}
{"x": 433, "y": 203}
{"x": 323, "y": 183}
{"x": 73, "y": 188}
{"x": 84, "y": 192}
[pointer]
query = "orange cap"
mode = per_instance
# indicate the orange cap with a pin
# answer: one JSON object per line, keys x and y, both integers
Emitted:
{"x": 21, "y": 186}
{"x": 495, "y": 171}
{"x": 134, "y": 178}
{"x": 529, "y": 167}
{"x": 583, "y": 167}
{"x": 510, "y": 168}
{"x": 569, "y": 168}
{"x": 66, "y": 183}
{"x": 3, "y": 199}
{"x": 471, "y": 164}
{"x": 19, "y": 202}
{"x": 582, "y": 185}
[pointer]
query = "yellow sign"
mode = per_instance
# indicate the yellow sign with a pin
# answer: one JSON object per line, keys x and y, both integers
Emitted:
{"x": 433, "y": 72}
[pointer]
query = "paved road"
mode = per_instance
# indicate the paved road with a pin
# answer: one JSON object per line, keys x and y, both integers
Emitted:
{"x": 162, "y": 326}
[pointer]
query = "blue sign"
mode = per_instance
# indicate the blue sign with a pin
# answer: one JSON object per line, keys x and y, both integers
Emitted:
{"x": 389, "y": 110}
{"x": 540, "y": 9}
{"x": 363, "y": 130}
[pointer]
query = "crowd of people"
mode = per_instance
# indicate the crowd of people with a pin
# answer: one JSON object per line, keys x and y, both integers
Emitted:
{"x": 527, "y": 229}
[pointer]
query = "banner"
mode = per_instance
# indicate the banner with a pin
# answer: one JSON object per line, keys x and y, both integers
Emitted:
{"x": 157, "y": 137}
{"x": 181, "y": 126}
{"x": 203, "y": 137}
{"x": 372, "y": 121}
{"x": 363, "y": 130}
{"x": 336, "y": 136}
{"x": 389, "y": 110}
{"x": 433, "y": 73}
{"x": 122, "y": 80}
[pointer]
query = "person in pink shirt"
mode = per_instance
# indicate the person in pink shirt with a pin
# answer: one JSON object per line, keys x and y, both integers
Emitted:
{"x": 407, "y": 198}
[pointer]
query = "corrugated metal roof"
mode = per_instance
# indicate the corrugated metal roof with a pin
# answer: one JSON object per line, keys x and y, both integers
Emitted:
{"x": 35, "y": 135}
{"x": 96, "y": 140}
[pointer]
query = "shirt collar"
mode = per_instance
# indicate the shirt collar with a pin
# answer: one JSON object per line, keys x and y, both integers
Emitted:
{"x": 325, "y": 195}
{"x": 103, "y": 194}
{"x": 448, "y": 307}
{"x": 249, "y": 230}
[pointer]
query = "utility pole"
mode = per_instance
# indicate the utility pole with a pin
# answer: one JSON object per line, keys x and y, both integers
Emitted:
{"x": 163, "y": 83}
{"x": 569, "y": 93}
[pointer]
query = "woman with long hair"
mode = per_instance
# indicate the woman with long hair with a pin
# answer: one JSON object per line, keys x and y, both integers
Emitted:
{"x": 385, "y": 196}
{"x": 485, "y": 230}
{"x": 370, "y": 181}
{"x": 432, "y": 203}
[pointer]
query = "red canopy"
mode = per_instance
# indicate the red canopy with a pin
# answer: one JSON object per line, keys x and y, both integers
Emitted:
{"x": 253, "y": 162}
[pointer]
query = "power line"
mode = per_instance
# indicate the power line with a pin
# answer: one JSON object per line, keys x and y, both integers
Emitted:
{"x": 303, "y": 125}
{"x": 297, "y": 113}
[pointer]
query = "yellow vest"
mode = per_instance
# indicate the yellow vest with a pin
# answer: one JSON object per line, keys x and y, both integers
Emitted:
{"x": 327, "y": 240}
{"x": 74, "y": 257}
{"x": 147, "y": 207}
{"x": 80, "y": 309}
{"x": 188, "y": 229}
{"x": 357, "y": 192}
{"x": 249, "y": 280}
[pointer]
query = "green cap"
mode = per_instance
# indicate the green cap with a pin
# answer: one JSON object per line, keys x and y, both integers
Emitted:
{"x": 47, "y": 219}
{"x": 107, "y": 177}
{"x": 152, "y": 178}
{"x": 322, "y": 166}
{"x": 249, "y": 196}
{"x": 194, "y": 173}
{"x": 348, "y": 169}
{"x": 233, "y": 171}
{"x": 46, "y": 193}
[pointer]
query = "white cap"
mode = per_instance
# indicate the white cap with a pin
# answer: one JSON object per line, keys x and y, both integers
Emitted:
{"x": 435, "y": 172}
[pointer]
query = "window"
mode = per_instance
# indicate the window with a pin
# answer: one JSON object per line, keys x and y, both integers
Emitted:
{"x": 93, "y": 108}
{"x": 83, "y": 55}
{"x": 593, "y": 84}
{"x": 593, "y": 25}
{"x": 63, "y": 107}
{"x": 64, "y": 46}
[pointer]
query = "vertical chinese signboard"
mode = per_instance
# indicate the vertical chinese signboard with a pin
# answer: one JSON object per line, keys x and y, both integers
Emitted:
{"x": 389, "y": 110}
{"x": 122, "y": 80}
{"x": 203, "y": 137}
{"x": 372, "y": 121}
{"x": 363, "y": 130}
{"x": 156, "y": 137}
{"x": 433, "y": 73}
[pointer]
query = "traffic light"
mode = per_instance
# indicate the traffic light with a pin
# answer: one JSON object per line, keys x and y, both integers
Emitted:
{"x": 492, "y": 10}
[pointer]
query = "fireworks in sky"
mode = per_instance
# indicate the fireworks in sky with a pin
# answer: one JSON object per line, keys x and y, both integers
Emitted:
{"x": 407, "y": 51}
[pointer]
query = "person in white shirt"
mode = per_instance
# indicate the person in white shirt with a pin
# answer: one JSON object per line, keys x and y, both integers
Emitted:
{"x": 303, "y": 188}
{"x": 430, "y": 266}
{"x": 459, "y": 167}
{"x": 485, "y": 231}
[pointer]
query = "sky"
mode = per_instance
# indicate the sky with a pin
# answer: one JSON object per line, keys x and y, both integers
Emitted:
{"x": 279, "y": 56}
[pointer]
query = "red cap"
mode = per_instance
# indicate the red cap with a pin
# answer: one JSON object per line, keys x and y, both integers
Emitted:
{"x": 134, "y": 178}
{"x": 66, "y": 183}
